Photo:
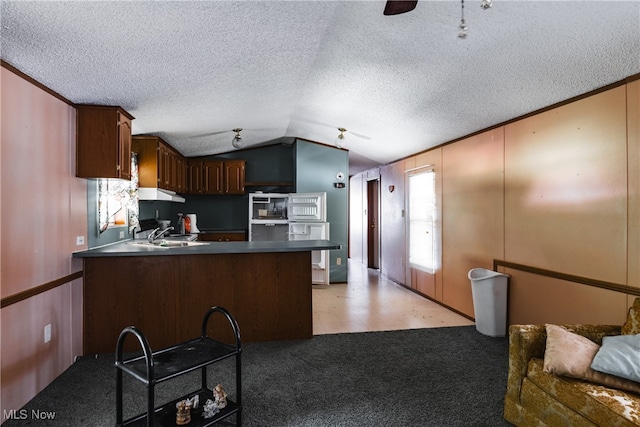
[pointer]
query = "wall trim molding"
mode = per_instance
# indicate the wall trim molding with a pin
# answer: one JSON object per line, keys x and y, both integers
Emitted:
{"x": 21, "y": 296}
{"x": 568, "y": 277}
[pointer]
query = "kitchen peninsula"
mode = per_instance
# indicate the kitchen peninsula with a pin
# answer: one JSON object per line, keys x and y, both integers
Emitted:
{"x": 165, "y": 291}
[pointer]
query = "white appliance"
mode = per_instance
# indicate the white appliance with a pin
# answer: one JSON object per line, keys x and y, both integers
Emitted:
{"x": 268, "y": 217}
{"x": 307, "y": 207}
{"x": 319, "y": 259}
{"x": 293, "y": 216}
{"x": 193, "y": 218}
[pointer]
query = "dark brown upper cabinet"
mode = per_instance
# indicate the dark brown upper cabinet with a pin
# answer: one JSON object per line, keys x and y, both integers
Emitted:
{"x": 103, "y": 142}
{"x": 216, "y": 176}
{"x": 159, "y": 164}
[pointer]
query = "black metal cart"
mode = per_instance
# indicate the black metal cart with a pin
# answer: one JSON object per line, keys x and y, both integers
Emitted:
{"x": 155, "y": 367}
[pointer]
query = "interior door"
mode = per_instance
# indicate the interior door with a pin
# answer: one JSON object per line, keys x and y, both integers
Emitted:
{"x": 373, "y": 218}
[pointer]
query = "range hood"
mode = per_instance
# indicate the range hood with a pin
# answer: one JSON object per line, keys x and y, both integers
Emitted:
{"x": 145, "y": 193}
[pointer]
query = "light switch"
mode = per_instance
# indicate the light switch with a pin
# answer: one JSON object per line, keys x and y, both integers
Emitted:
{"x": 47, "y": 333}
{"x": 79, "y": 240}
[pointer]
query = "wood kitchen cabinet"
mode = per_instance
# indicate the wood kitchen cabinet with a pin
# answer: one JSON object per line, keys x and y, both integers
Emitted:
{"x": 194, "y": 177}
{"x": 212, "y": 174}
{"x": 234, "y": 176}
{"x": 159, "y": 164}
{"x": 103, "y": 142}
{"x": 216, "y": 176}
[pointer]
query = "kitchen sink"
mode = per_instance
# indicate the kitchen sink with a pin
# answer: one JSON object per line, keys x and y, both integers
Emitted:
{"x": 168, "y": 243}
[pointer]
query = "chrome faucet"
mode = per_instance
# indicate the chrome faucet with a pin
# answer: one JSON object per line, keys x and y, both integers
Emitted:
{"x": 153, "y": 236}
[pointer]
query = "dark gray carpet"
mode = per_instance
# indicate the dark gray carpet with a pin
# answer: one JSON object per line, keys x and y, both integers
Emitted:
{"x": 423, "y": 377}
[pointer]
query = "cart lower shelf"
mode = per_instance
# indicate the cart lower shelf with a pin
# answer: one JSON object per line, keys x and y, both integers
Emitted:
{"x": 165, "y": 415}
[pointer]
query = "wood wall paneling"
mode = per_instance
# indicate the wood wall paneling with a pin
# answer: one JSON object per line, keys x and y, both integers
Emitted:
{"x": 473, "y": 213}
{"x": 29, "y": 364}
{"x": 536, "y": 300}
{"x": 392, "y": 222}
{"x": 557, "y": 190}
{"x": 38, "y": 151}
{"x": 424, "y": 283}
{"x": 633, "y": 149}
{"x": 565, "y": 194}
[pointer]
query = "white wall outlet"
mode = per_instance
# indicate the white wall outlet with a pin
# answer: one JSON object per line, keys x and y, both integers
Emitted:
{"x": 79, "y": 240}
{"x": 47, "y": 333}
{"x": 338, "y": 261}
{"x": 121, "y": 235}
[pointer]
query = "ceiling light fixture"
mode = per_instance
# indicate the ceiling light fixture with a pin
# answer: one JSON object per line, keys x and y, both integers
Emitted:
{"x": 462, "y": 34}
{"x": 237, "y": 140}
{"x": 340, "y": 142}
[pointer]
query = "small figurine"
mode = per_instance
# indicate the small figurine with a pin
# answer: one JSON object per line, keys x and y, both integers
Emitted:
{"x": 183, "y": 416}
{"x": 194, "y": 401}
{"x": 209, "y": 409}
{"x": 212, "y": 407}
{"x": 219, "y": 397}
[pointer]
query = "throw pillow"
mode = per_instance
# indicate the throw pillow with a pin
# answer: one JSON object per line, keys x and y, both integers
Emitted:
{"x": 632, "y": 325}
{"x": 570, "y": 355}
{"x": 619, "y": 356}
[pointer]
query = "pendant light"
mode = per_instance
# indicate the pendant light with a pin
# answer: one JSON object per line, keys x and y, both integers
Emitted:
{"x": 237, "y": 140}
{"x": 462, "y": 34}
{"x": 340, "y": 142}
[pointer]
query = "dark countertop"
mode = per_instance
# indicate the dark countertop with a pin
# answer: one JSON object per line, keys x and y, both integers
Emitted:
{"x": 222, "y": 230}
{"x": 130, "y": 248}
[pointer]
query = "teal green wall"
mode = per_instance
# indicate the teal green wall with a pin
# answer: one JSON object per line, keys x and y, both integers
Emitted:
{"x": 316, "y": 166}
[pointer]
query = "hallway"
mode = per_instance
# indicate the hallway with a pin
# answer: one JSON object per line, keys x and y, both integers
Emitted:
{"x": 369, "y": 302}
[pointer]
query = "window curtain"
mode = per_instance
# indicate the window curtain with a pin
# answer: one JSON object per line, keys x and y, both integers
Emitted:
{"x": 115, "y": 195}
{"x": 131, "y": 190}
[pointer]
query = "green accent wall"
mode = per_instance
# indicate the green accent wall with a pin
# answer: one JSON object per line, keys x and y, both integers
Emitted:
{"x": 316, "y": 167}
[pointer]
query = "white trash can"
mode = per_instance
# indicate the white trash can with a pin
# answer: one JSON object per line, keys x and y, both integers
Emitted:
{"x": 489, "y": 290}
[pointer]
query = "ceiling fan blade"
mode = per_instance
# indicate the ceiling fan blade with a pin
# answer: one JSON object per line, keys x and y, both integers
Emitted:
{"x": 359, "y": 135}
{"x": 396, "y": 7}
{"x": 211, "y": 134}
{"x": 318, "y": 123}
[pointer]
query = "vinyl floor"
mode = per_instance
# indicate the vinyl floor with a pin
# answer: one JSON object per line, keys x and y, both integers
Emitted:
{"x": 371, "y": 302}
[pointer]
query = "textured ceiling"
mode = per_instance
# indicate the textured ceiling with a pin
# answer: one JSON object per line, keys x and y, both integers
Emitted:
{"x": 190, "y": 71}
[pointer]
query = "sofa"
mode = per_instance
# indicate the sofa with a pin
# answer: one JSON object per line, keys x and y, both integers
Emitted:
{"x": 537, "y": 397}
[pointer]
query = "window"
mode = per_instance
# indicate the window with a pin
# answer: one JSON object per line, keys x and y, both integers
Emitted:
{"x": 118, "y": 200}
{"x": 422, "y": 216}
{"x": 111, "y": 208}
